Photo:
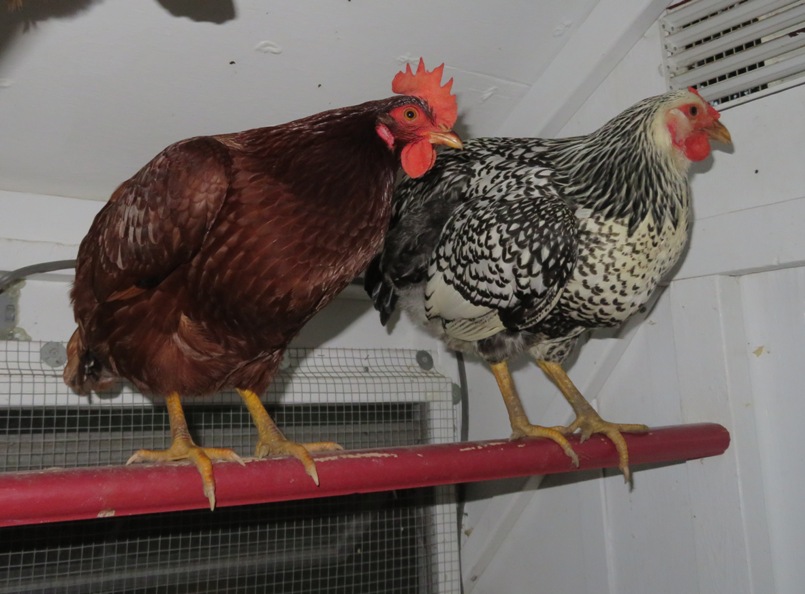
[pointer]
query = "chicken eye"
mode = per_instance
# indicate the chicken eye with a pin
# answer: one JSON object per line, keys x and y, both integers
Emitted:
{"x": 694, "y": 111}
{"x": 410, "y": 114}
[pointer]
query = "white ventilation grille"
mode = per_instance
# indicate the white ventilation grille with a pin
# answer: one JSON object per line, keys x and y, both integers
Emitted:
{"x": 401, "y": 542}
{"x": 734, "y": 51}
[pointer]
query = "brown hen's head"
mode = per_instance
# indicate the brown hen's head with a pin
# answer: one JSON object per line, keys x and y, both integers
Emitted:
{"x": 691, "y": 124}
{"x": 422, "y": 122}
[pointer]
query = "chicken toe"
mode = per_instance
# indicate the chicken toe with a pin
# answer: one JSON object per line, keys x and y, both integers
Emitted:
{"x": 521, "y": 427}
{"x": 183, "y": 448}
{"x": 587, "y": 420}
{"x": 552, "y": 433}
{"x": 272, "y": 442}
{"x": 270, "y": 445}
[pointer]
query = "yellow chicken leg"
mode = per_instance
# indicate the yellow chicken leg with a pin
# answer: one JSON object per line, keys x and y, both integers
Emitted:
{"x": 183, "y": 448}
{"x": 588, "y": 420}
{"x": 273, "y": 442}
{"x": 521, "y": 427}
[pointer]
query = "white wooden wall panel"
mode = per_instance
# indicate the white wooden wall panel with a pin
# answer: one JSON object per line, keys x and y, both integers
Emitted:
{"x": 97, "y": 88}
{"x": 655, "y": 513}
{"x": 623, "y": 87}
{"x": 596, "y": 46}
{"x": 775, "y": 332}
{"x": 547, "y": 550}
{"x": 718, "y": 500}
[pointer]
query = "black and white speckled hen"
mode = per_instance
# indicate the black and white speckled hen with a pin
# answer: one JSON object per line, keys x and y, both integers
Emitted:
{"x": 523, "y": 244}
{"x": 203, "y": 266}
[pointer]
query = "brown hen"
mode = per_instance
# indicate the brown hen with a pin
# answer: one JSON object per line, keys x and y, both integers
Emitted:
{"x": 203, "y": 266}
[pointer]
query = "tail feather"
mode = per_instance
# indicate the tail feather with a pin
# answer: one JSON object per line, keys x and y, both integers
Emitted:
{"x": 380, "y": 290}
{"x": 84, "y": 372}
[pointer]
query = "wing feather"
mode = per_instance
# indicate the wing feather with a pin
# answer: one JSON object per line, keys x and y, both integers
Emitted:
{"x": 487, "y": 233}
{"x": 509, "y": 254}
{"x": 156, "y": 221}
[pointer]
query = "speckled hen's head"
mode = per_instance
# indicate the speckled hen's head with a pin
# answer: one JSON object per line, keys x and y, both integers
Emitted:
{"x": 691, "y": 123}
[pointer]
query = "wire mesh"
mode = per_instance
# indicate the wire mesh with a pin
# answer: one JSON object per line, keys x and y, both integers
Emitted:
{"x": 403, "y": 541}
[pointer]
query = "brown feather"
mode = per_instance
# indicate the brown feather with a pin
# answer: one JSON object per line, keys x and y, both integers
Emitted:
{"x": 203, "y": 266}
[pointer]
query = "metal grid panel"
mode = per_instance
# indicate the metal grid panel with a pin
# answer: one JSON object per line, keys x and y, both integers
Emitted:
{"x": 357, "y": 397}
{"x": 403, "y": 541}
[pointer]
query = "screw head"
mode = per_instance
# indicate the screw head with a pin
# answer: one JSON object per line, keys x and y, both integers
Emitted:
{"x": 424, "y": 360}
{"x": 53, "y": 354}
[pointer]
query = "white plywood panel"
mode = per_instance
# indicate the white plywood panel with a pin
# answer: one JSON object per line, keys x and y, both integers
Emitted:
{"x": 97, "y": 88}
{"x": 622, "y": 88}
{"x": 557, "y": 545}
{"x": 574, "y": 74}
{"x": 775, "y": 348}
{"x": 727, "y": 498}
{"x": 30, "y": 217}
{"x": 37, "y": 228}
{"x": 649, "y": 528}
{"x": 749, "y": 240}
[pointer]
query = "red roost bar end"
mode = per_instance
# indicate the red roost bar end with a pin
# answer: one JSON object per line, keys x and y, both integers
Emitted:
{"x": 73, "y": 494}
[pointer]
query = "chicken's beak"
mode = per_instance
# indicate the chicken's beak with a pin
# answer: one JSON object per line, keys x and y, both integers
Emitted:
{"x": 719, "y": 132}
{"x": 450, "y": 139}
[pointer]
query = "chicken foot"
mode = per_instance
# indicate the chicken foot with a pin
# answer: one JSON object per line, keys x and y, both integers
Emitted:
{"x": 183, "y": 448}
{"x": 272, "y": 442}
{"x": 587, "y": 420}
{"x": 521, "y": 426}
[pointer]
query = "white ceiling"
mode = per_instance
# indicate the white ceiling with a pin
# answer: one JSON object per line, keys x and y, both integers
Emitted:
{"x": 90, "y": 90}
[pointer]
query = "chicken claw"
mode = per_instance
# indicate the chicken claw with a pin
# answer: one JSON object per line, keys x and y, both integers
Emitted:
{"x": 269, "y": 445}
{"x": 183, "y": 448}
{"x": 555, "y": 434}
{"x": 272, "y": 442}
{"x": 521, "y": 427}
{"x": 588, "y": 420}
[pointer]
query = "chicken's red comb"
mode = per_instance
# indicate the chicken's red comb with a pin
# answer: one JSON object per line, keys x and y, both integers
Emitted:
{"x": 710, "y": 109}
{"x": 428, "y": 87}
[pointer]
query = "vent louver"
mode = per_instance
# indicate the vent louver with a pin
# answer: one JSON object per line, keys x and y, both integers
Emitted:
{"x": 734, "y": 51}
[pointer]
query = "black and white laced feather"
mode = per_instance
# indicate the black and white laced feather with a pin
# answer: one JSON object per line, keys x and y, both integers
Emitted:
{"x": 524, "y": 243}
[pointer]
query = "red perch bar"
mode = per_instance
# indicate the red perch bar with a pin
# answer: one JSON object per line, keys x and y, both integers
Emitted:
{"x": 57, "y": 495}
